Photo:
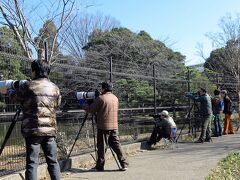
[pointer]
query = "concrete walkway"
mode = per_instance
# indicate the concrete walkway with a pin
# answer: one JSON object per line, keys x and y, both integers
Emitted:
{"x": 188, "y": 161}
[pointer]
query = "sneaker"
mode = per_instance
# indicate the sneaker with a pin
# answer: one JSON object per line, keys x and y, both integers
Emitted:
{"x": 231, "y": 133}
{"x": 124, "y": 164}
{"x": 123, "y": 169}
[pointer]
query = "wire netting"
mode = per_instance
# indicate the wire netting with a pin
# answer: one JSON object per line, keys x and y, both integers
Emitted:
{"x": 142, "y": 89}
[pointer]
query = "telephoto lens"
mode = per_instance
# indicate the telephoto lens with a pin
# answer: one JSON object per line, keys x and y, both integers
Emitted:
{"x": 85, "y": 95}
{"x": 10, "y": 84}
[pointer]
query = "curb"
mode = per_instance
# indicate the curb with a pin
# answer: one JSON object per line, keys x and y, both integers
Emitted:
{"x": 84, "y": 160}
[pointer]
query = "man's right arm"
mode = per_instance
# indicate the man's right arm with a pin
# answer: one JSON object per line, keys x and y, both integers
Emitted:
{"x": 17, "y": 95}
{"x": 93, "y": 107}
{"x": 194, "y": 97}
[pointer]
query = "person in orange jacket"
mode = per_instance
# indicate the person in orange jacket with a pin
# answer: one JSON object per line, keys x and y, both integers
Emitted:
{"x": 228, "y": 129}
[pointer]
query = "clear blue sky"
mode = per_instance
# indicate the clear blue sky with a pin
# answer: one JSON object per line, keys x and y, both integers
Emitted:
{"x": 184, "y": 22}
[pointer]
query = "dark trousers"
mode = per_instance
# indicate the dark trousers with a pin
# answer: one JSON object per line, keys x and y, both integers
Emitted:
{"x": 157, "y": 134}
{"x": 49, "y": 148}
{"x": 112, "y": 139}
{"x": 217, "y": 125}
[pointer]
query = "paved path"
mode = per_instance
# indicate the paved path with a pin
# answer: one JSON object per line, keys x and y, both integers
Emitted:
{"x": 190, "y": 161}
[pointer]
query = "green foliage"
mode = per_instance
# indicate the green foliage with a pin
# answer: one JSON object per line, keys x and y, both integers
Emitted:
{"x": 200, "y": 79}
{"x": 228, "y": 168}
{"x": 11, "y": 69}
{"x": 215, "y": 61}
{"x": 8, "y": 42}
{"x": 135, "y": 91}
{"x": 172, "y": 92}
{"x": 145, "y": 36}
{"x": 127, "y": 47}
{"x": 47, "y": 33}
{"x": 225, "y": 61}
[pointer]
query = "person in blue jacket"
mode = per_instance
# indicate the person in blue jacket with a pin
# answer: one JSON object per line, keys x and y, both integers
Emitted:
{"x": 217, "y": 107}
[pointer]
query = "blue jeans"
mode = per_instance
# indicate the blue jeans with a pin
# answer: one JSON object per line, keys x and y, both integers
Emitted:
{"x": 217, "y": 125}
{"x": 49, "y": 148}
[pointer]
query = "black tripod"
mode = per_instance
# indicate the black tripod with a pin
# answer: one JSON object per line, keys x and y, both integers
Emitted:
{"x": 95, "y": 147}
{"x": 70, "y": 152}
{"x": 10, "y": 129}
{"x": 192, "y": 128}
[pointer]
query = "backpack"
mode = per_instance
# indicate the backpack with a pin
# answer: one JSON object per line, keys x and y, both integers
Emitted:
{"x": 218, "y": 105}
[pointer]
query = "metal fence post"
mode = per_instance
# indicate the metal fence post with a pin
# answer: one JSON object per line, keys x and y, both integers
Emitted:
{"x": 154, "y": 89}
{"x": 189, "y": 101}
{"x": 110, "y": 70}
{"x": 217, "y": 80}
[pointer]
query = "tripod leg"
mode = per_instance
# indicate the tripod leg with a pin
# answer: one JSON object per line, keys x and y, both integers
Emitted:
{"x": 10, "y": 129}
{"x": 106, "y": 142}
{"x": 85, "y": 118}
{"x": 94, "y": 138}
{"x": 188, "y": 118}
{"x": 180, "y": 132}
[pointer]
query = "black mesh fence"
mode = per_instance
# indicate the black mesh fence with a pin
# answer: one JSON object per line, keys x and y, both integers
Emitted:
{"x": 142, "y": 90}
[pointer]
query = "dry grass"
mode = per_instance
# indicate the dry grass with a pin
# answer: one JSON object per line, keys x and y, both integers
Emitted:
{"x": 227, "y": 169}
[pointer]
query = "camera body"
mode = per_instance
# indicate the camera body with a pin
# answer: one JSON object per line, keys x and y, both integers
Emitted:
{"x": 10, "y": 84}
{"x": 187, "y": 94}
{"x": 157, "y": 115}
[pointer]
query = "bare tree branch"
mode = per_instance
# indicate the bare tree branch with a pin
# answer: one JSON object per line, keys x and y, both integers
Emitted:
{"x": 13, "y": 16}
{"x": 16, "y": 32}
{"x": 77, "y": 34}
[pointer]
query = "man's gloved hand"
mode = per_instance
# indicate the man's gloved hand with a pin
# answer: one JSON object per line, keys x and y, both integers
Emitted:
{"x": 82, "y": 102}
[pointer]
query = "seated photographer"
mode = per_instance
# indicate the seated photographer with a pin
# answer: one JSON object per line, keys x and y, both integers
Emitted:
{"x": 163, "y": 128}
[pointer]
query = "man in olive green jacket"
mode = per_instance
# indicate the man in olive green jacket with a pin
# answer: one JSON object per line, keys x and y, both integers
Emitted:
{"x": 205, "y": 113}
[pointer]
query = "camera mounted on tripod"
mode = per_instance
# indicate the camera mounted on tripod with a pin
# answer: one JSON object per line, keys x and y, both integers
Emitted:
{"x": 7, "y": 85}
{"x": 187, "y": 94}
{"x": 87, "y": 96}
{"x": 157, "y": 115}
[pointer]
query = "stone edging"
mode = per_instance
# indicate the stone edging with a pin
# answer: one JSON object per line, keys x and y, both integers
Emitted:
{"x": 84, "y": 160}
